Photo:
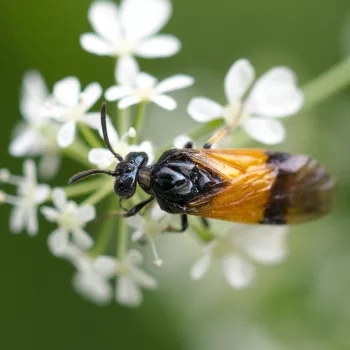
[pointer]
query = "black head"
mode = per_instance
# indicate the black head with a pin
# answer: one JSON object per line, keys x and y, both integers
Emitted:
{"x": 125, "y": 172}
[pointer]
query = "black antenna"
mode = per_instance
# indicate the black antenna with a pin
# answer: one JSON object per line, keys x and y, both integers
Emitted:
{"x": 87, "y": 173}
{"x": 105, "y": 134}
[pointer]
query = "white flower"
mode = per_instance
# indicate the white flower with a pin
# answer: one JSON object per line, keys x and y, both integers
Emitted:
{"x": 136, "y": 87}
{"x": 265, "y": 244}
{"x": 181, "y": 140}
{"x": 274, "y": 95}
{"x": 130, "y": 30}
{"x": 148, "y": 228}
{"x": 36, "y": 135}
{"x": 69, "y": 107}
{"x": 29, "y": 196}
{"x": 104, "y": 159}
{"x": 70, "y": 219}
{"x": 130, "y": 277}
{"x": 86, "y": 280}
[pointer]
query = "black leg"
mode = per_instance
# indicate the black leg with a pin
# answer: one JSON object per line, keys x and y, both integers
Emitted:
{"x": 205, "y": 222}
{"x": 184, "y": 225}
{"x": 133, "y": 211}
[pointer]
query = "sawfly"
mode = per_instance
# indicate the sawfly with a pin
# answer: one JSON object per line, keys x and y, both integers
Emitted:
{"x": 251, "y": 186}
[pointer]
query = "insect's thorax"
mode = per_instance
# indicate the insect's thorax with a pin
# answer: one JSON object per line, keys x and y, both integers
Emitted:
{"x": 177, "y": 180}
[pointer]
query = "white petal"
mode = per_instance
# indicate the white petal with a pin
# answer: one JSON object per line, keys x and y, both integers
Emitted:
{"x": 164, "y": 101}
{"x": 49, "y": 165}
{"x": 128, "y": 101}
{"x": 264, "y": 130}
{"x": 58, "y": 242}
{"x": 181, "y": 140}
{"x": 104, "y": 18}
{"x": 159, "y": 46}
{"x": 117, "y": 92}
{"x": 142, "y": 18}
{"x": 173, "y": 83}
{"x": 276, "y": 94}
{"x": 134, "y": 257}
{"x": 239, "y": 273}
{"x": 238, "y": 80}
{"x": 265, "y": 244}
{"x": 144, "y": 279}
{"x": 32, "y": 220}
{"x": 126, "y": 71}
{"x": 66, "y": 134}
{"x": 17, "y": 219}
{"x": 92, "y": 286}
{"x": 33, "y": 96}
{"x": 50, "y": 214}
{"x": 27, "y": 142}
{"x": 93, "y": 44}
{"x": 145, "y": 80}
{"x": 41, "y": 193}
{"x": 203, "y": 110}
{"x": 90, "y": 95}
{"x": 200, "y": 267}
{"x": 100, "y": 156}
{"x": 67, "y": 91}
{"x": 136, "y": 235}
{"x": 86, "y": 213}
{"x": 93, "y": 120}
{"x": 105, "y": 265}
{"x": 59, "y": 198}
{"x": 147, "y": 147}
{"x": 128, "y": 292}
{"x": 135, "y": 222}
{"x": 82, "y": 239}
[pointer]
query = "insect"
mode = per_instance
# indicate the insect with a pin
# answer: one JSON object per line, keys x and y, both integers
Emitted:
{"x": 251, "y": 186}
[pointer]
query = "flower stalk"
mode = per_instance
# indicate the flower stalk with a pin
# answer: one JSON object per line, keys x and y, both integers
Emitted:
{"x": 89, "y": 136}
{"x": 138, "y": 121}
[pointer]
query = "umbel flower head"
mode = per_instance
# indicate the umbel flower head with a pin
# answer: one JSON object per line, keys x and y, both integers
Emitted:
{"x": 262, "y": 244}
{"x": 130, "y": 277}
{"x": 275, "y": 94}
{"x": 136, "y": 87}
{"x": 130, "y": 30}
{"x": 70, "y": 218}
{"x": 35, "y": 136}
{"x": 29, "y": 196}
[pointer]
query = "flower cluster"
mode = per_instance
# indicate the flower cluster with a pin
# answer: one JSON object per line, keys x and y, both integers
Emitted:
{"x": 63, "y": 123}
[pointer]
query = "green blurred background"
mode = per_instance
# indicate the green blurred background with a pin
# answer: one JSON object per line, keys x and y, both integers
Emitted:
{"x": 303, "y": 303}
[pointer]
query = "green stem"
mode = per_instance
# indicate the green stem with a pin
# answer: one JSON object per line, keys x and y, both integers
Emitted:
{"x": 122, "y": 118}
{"x": 78, "y": 152}
{"x": 138, "y": 121}
{"x": 327, "y": 84}
{"x": 105, "y": 233}
{"x": 89, "y": 136}
{"x": 122, "y": 241}
{"x": 203, "y": 233}
{"x": 101, "y": 193}
{"x": 83, "y": 188}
